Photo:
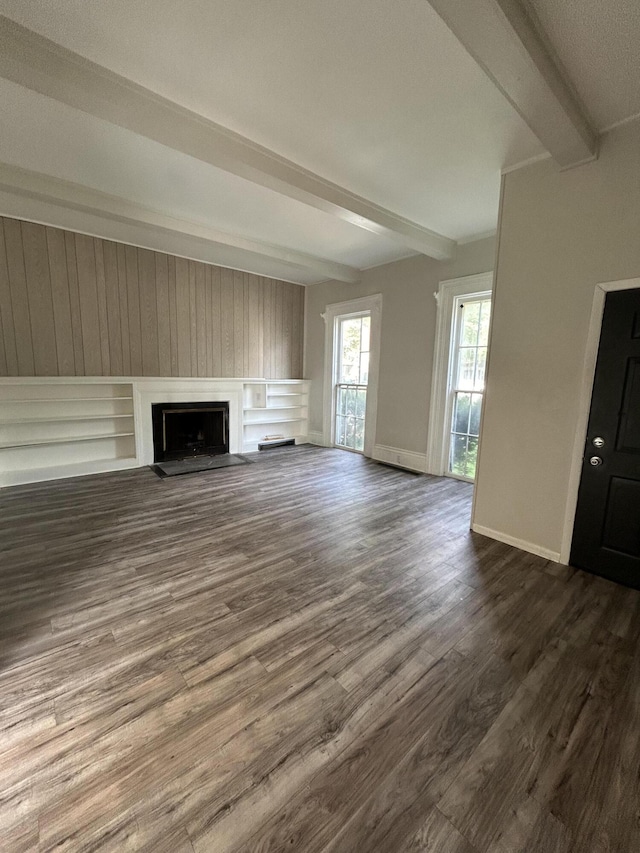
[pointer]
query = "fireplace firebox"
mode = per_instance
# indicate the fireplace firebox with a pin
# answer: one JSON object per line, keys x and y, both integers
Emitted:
{"x": 181, "y": 430}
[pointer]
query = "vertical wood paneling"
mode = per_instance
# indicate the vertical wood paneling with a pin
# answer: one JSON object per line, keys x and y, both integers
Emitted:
{"x": 3, "y": 356}
{"x": 36, "y": 266}
{"x": 88, "y": 289}
{"x": 133, "y": 301}
{"x": 278, "y": 329}
{"x": 226, "y": 315}
{"x": 287, "y": 321}
{"x": 9, "y": 352}
{"x": 216, "y": 323}
{"x": 193, "y": 323}
{"x": 245, "y": 315}
{"x": 19, "y": 298}
{"x": 267, "y": 325}
{"x": 173, "y": 314}
{"x": 61, "y": 301}
{"x": 260, "y": 286}
{"x": 112, "y": 296}
{"x": 238, "y": 324}
{"x": 102, "y": 307}
{"x": 252, "y": 312}
{"x": 163, "y": 312}
{"x": 73, "y": 304}
{"x": 208, "y": 318}
{"x": 124, "y": 309}
{"x": 148, "y": 312}
{"x": 183, "y": 317}
{"x": 201, "y": 321}
{"x": 297, "y": 321}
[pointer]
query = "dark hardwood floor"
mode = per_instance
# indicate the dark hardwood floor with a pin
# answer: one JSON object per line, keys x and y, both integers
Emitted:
{"x": 309, "y": 653}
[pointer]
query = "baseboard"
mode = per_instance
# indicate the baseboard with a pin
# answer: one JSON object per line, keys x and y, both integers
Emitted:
{"x": 315, "y": 438}
{"x": 402, "y": 458}
{"x": 545, "y": 553}
{"x": 23, "y": 477}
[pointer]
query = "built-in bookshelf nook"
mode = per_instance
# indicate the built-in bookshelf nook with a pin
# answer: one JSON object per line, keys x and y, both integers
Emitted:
{"x": 274, "y": 410}
{"x": 55, "y": 427}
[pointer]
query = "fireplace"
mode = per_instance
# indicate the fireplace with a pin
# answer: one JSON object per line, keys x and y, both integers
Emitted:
{"x": 181, "y": 430}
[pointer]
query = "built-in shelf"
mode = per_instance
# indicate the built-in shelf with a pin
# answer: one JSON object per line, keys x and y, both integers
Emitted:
{"x": 37, "y": 442}
{"x": 65, "y": 419}
{"x": 60, "y": 399}
{"x": 72, "y": 469}
{"x": 272, "y": 408}
{"x": 51, "y": 429}
{"x": 274, "y": 421}
{"x": 46, "y": 425}
{"x": 266, "y": 406}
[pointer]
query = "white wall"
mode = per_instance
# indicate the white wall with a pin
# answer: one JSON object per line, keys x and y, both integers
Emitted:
{"x": 561, "y": 233}
{"x": 408, "y": 331}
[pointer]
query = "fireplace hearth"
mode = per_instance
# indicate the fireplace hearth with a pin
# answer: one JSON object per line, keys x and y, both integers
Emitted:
{"x": 184, "y": 430}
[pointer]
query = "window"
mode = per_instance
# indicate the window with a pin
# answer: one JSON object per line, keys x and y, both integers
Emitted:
{"x": 351, "y": 365}
{"x": 471, "y": 338}
{"x": 352, "y": 380}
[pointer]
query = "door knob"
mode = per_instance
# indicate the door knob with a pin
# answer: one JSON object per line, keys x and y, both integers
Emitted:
{"x": 595, "y": 460}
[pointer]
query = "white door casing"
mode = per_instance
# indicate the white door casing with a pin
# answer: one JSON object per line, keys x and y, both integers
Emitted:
{"x": 586, "y": 390}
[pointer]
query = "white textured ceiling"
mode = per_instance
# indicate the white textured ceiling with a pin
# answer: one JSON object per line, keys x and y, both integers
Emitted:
{"x": 598, "y": 42}
{"x": 81, "y": 148}
{"x": 376, "y": 96}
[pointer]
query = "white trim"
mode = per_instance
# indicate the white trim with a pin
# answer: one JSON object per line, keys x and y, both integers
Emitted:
{"x": 509, "y": 44}
{"x": 402, "y": 458}
{"x": 473, "y": 238}
{"x": 545, "y": 553}
{"x": 43, "y": 191}
{"x": 537, "y": 158}
{"x": 372, "y": 304}
{"x": 620, "y": 123}
{"x": 316, "y": 438}
{"x": 412, "y": 254}
{"x": 448, "y": 292}
{"x": 584, "y": 405}
{"x": 39, "y": 64}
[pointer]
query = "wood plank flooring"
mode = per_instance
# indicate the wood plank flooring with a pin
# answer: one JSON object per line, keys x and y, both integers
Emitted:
{"x": 309, "y": 653}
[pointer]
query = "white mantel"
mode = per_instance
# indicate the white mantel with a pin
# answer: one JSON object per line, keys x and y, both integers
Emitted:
{"x": 148, "y": 391}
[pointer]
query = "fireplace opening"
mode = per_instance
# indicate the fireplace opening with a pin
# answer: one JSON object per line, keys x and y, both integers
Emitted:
{"x": 182, "y": 430}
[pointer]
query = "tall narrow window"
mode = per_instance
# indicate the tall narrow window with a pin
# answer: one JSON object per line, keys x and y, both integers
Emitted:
{"x": 352, "y": 380}
{"x": 471, "y": 339}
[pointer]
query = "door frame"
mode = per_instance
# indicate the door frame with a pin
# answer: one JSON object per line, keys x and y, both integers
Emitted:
{"x": 584, "y": 404}
{"x": 331, "y": 315}
{"x": 449, "y": 291}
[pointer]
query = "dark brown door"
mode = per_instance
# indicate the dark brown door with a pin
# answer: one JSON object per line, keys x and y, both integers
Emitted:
{"x": 606, "y": 534}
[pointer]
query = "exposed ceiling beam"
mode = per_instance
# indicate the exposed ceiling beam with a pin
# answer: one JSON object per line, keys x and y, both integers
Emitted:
{"x": 66, "y": 194}
{"x": 509, "y": 45}
{"x": 36, "y": 62}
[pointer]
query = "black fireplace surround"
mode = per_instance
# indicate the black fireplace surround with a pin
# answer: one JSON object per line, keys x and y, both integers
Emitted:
{"x": 181, "y": 430}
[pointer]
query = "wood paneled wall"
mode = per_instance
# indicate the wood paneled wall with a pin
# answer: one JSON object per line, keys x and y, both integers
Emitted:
{"x": 72, "y": 305}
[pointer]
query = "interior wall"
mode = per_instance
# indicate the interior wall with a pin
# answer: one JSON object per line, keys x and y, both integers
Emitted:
{"x": 407, "y": 338}
{"x": 561, "y": 233}
{"x": 73, "y": 305}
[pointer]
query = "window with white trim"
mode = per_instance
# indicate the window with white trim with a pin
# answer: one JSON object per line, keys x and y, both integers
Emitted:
{"x": 352, "y": 380}
{"x": 466, "y": 382}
